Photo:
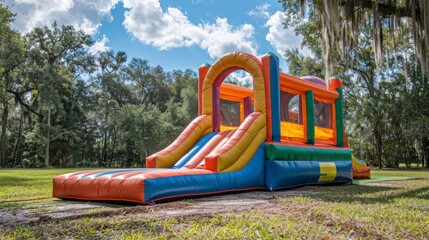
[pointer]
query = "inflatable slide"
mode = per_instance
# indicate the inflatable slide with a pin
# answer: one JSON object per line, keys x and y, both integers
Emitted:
{"x": 360, "y": 169}
{"x": 285, "y": 132}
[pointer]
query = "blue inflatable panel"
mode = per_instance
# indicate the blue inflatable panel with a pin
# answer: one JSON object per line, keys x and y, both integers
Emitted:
{"x": 286, "y": 174}
{"x": 194, "y": 150}
{"x": 249, "y": 177}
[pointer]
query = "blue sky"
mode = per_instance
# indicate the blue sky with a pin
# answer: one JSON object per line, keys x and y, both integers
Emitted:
{"x": 171, "y": 33}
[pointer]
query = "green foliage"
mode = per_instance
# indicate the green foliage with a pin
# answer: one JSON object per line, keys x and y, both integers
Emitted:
{"x": 64, "y": 106}
{"x": 386, "y": 106}
{"x": 303, "y": 66}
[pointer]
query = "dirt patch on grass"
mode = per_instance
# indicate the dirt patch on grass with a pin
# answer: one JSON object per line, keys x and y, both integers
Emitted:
{"x": 263, "y": 201}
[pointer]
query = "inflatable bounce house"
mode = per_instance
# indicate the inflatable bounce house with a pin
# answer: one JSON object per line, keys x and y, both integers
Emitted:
{"x": 285, "y": 132}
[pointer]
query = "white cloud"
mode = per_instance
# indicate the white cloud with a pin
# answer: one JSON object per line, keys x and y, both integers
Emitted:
{"x": 100, "y": 46}
{"x": 82, "y": 14}
{"x": 221, "y": 38}
{"x": 147, "y": 21}
{"x": 281, "y": 38}
{"x": 244, "y": 78}
{"x": 260, "y": 11}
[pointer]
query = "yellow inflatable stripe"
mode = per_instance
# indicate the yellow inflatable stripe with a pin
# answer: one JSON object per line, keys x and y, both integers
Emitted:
{"x": 249, "y": 152}
{"x": 168, "y": 160}
{"x": 229, "y": 60}
{"x": 357, "y": 163}
{"x": 240, "y": 60}
{"x": 292, "y": 130}
{"x": 226, "y": 128}
{"x": 225, "y": 160}
{"x": 328, "y": 171}
{"x": 324, "y": 134}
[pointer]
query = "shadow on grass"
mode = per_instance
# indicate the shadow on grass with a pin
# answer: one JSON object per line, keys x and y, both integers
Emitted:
{"x": 376, "y": 179}
{"x": 369, "y": 194}
{"x": 402, "y": 169}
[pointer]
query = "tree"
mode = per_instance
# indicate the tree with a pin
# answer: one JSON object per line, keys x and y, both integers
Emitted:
{"x": 11, "y": 56}
{"x": 57, "y": 53}
{"x": 340, "y": 23}
{"x": 367, "y": 43}
{"x": 137, "y": 72}
{"x": 300, "y": 65}
{"x": 113, "y": 95}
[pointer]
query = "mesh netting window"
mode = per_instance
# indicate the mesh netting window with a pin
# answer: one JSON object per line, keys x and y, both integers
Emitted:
{"x": 230, "y": 113}
{"x": 322, "y": 114}
{"x": 290, "y": 107}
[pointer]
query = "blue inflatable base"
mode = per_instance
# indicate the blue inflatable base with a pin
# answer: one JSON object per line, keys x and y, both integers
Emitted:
{"x": 249, "y": 177}
{"x": 281, "y": 174}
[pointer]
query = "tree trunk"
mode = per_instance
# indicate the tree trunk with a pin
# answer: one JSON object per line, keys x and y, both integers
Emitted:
{"x": 128, "y": 161}
{"x": 3, "y": 138}
{"x": 17, "y": 142}
{"x": 425, "y": 143}
{"x": 105, "y": 148}
{"x": 106, "y": 118}
{"x": 48, "y": 139}
{"x": 425, "y": 162}
{"x": 112, "y": 154}
{"x": 5, "y": 118}
{"x": 378, "y": 148}
{"x": 99, "y": 153}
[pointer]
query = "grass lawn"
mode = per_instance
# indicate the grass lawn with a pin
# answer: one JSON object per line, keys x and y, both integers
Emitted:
{"x": 394, "y": 204}
{"x": 19, "y": 184}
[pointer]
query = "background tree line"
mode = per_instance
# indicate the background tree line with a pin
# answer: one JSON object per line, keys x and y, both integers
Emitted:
{"x": 61, "y": 105}
{"x": 381, "y": 51}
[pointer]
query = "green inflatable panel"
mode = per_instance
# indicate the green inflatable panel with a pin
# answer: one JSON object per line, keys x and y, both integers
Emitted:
{"x": 280, "y": 152}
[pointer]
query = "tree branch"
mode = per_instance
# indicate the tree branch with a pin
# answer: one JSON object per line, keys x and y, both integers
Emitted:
{"x": 28, "y": 107}
{"x": 385, "y": 8}
{"x": 365, "y": 76}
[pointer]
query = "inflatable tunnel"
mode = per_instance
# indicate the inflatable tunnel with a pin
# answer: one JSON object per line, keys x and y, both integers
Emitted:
{"x": 284, "y": 132}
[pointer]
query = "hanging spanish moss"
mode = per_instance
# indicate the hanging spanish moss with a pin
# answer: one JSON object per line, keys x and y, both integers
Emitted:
{"x": 330, "y": 31}
{"x": 341, "y": 21}
{"x": 377, "y": 36}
